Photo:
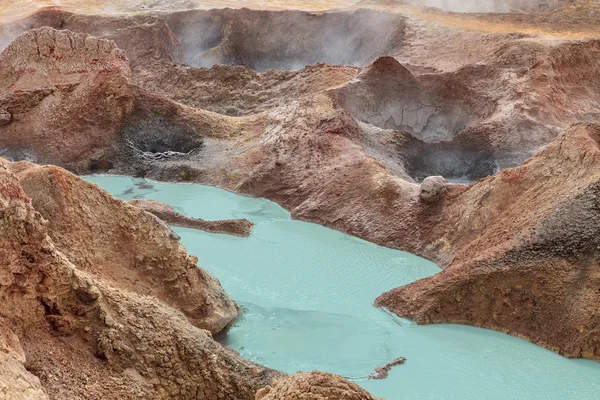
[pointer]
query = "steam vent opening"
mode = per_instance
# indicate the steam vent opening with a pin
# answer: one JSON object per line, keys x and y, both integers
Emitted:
{"x": 286, "y": 40}
{"x": 161, "y": 140}
{"x": 457, "y": 165}
{"x": 437, "y": 116}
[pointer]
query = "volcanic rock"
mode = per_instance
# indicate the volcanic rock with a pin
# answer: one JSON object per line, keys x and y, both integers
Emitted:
{"x": 524, "y": 246}
{"x": 236, "y": 227}
{"x": 82, "y": 227}
{"x": 313, "y": 386}
{"x": 433, "y": 189}
{"x": 49, "y": 81}
{"x": 386, "y": 94}
{"x": 93, "y": 329}
{"x": 467, "y": 97}
{"x": 383, "y": 371}
{"x": 5, "y": 117}
{"x": 124, "y": 332}
{"x": 266, "y": 40}
{"x": 73, "y": 104}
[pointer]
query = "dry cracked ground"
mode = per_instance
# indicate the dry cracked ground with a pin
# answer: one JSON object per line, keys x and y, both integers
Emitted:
{"x": 348, "y": 115}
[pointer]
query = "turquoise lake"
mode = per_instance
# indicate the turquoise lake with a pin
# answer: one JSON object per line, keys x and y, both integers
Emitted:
{"x": 307, "y": 294}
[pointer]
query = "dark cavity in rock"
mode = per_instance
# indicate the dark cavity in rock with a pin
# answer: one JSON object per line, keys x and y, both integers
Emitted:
{"x": 158, "y": 140}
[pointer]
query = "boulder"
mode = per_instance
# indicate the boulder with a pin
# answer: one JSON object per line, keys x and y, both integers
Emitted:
{"x": 5, "y": 117}
{"x": 433, "y": 189}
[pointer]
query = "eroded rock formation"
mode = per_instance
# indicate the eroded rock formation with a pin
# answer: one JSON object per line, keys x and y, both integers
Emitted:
{"x": 47, "y": 77}
{"x": 525, "y": 252}
{"x": 388, "y": 95}
{"x": 313, "y": 385}
{"x": 236, "y": 227}
{"x": 149, "y": 262}
{"x": 16, "y": 382}
{"x": 92, "y": 329}
{"x": 491, "y": 6}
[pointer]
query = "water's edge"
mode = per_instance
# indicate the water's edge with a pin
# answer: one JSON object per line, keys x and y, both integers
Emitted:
{"x": 307, "y": 293}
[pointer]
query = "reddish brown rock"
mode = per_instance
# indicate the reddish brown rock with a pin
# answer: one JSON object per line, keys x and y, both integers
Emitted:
{"x": 72, "y": 103}
{"x": 383, "y": 371}
{"x": 236, "y": 227}
{"x": 324, "y": 142}
{"x": 87, "y": 328}
{"x": 148, "y": 263}
{"x": 83, "y": 327}
{"x": 313, "y": 386}
{"x": 49, "y": 80}
{"x": 524, "y": 245}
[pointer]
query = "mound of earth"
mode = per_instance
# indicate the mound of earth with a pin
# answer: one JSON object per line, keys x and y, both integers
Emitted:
{"x": 46, "y": 78}
{"x": 478, "y": 119}
{"x": 236, "y": 227}
{"x": 77, "y": 107}
{"x": 148, "y": 263}
{"x": 313, "y": 385}
{"x": 386, "y": 94}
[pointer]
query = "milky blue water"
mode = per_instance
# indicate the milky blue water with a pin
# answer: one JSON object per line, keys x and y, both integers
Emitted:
{"x": 307, "y": 295}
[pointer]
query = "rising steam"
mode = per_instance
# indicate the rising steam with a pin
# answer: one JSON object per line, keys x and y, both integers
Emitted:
{"x": 493, "y": 6}
{"x": 287, "y": 40}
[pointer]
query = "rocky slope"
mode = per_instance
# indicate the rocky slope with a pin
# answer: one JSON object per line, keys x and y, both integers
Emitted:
{"x": 90, "y": 335}
{"x": 470, "y": 118}
{"x": 75, "y": 323}
{"x": 133, "y": 252}
{"x": 43, "y": 90}
{"x": 525, "y": 248}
